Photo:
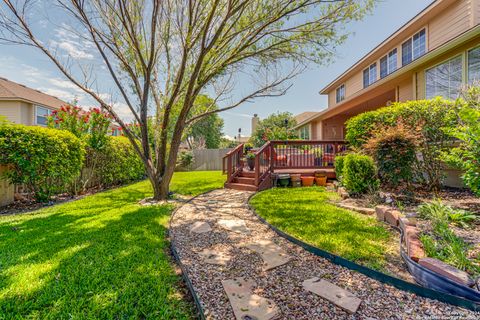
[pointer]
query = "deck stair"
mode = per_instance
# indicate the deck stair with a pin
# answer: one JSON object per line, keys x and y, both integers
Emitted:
{"x": 303, "y": 157}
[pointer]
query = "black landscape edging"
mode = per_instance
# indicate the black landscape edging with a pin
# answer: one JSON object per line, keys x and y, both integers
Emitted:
{"x": 374, "y": 274}
{"x": 185, "y": 277}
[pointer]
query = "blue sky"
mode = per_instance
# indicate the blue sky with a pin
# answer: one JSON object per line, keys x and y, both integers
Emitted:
{"x": 29, "y": 67}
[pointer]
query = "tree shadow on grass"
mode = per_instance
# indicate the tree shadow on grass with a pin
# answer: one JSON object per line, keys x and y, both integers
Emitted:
{"x": 97, "y": 258}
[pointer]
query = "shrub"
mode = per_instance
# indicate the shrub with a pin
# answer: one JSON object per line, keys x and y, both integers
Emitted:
{"x": 467, "y": 154}
{"x": 339, "y": 163}
{"x": 359, "y": 174}
{"x": 427, "y": 117}
{"x": 43, "y": 159}
{"x": 394, "y": 151}
{"x": 118, "y": 163}
{"x": 185, "y": 159}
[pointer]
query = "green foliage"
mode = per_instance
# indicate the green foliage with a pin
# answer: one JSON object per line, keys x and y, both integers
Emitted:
{"x": 100, "y": 257}
{"x": 250, "y": 155}
{"x": 359, "y": 174}
{"x": 467, "y": 155}
{"x": 394, "y": 151}
{"x": 427, "y": 118}
{"x": 91, "y": 126}
{"x": 185, "y": 159}
{"x": 445, "y": 245}
{"x": 207, "y": 132}
{"x": 339, "y": 164}
{"x": 117, "y": 163}
{"x": 309, "y": 214}
{"x": 45, "y": 160}
{"x": 438, "y": 212}
{"x": 277, "y": 126}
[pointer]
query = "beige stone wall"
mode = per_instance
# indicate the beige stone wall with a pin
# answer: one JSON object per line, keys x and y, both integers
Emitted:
{"x": 6, "y": 189}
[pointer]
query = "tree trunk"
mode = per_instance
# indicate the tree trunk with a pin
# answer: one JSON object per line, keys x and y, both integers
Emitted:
{"x": 161, "y": 186}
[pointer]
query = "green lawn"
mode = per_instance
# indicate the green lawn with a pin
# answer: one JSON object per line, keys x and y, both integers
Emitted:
{"x": 306, "y": 214}
{"x": 101, "y": 257}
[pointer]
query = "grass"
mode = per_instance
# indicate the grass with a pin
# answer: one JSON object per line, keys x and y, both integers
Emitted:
{"x": 307, "y": 214}
{"x": 101, "y": 257}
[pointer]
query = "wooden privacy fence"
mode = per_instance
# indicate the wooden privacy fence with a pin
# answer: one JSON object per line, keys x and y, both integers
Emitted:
{"x": 208, "y": 159}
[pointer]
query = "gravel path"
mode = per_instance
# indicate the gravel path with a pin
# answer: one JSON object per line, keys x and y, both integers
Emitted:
{"x": 283, "y": 284}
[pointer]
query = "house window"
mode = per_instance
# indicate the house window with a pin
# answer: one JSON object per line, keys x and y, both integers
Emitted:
{"x": 473, "y": 65}
{"x": 388, "y": 64}
{"x": 304, "y": 133}
{"x": 444, "y": 80}
{"x": 41, "y": 115}
{"x": 414, "y": 47}
{"x": 369, "y": 75}
{"x": 341, "y": 93}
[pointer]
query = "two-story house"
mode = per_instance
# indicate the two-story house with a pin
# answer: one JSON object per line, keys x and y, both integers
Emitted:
{"x": 434, "y": 54}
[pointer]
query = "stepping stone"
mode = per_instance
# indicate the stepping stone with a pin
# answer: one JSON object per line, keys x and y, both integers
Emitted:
{"x": 235, "y": 225}
{"x": 215, "y": 257}
{"x": 272, "y": 255}
{"x": 247, "y": 305}
{"x": 336, "y": 295}
{"x": 200, "y": 227}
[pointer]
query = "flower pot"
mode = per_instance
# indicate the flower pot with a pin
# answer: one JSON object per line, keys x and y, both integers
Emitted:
{"x": 283, "y": 180}
{"x": 251, "y": 163}
{"x": 320, "y": 173}
{"x": 307, "y": 181}
{"x": 321, "y": 181}
{"x": 295, "y": 177}
{"x": 296, "y": 184}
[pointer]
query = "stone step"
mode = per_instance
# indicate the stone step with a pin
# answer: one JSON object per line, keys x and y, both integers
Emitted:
{"x": 272, "y": 254}
{"x": 246, "y": 304}
{"x": 333, "y": 293}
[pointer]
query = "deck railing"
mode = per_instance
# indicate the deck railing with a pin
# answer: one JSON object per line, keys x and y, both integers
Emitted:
{"x": 232, "y": 162}
{"x": 263, "y": 164}
{"x": 306, "y": 154}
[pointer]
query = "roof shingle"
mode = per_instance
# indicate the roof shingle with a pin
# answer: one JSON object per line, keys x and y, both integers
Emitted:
{"x": 10, "y": 90}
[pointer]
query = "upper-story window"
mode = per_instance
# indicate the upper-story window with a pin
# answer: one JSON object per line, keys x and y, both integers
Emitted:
{"x": 370, "y": 75}
{"x": 445, "y": 79}
{"x": 388, "y": 63}
{"x": 41, "y": 115}
{"x": 340, "y": 93}
{"x": 414, "y": 48}
{"x": 473, "y": 65}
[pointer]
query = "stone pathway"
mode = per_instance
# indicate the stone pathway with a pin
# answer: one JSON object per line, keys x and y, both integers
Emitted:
{"x": 243, "y": 270}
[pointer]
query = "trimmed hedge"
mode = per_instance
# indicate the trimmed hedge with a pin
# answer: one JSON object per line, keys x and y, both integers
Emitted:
{"x": 118, "y": 163}
{"x": 45, "y": 160}
{"x": 359, "y": 174}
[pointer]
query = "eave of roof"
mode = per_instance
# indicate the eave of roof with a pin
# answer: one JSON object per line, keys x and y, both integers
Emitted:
{"x": 395, "y": 34}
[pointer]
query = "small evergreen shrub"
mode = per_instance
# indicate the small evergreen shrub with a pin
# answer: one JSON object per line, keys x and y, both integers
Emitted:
{"x": 185, "y": 159}
{"x": 339, "y": 162}
{"x": 359, "y": 174}
{"x": 394, "y": 151}
{"x": 45, "y": 160}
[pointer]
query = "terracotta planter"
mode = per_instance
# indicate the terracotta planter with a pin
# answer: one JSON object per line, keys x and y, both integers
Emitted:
{"x": 307, "y": 181}
{"x": 321, "y": 181}
{"x": 296, "y": 177}
{"x": 320, "y": 173}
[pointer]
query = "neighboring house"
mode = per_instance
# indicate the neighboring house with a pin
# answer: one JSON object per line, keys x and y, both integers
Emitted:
{"x": 305, "y": 130}
{"x": 434, "y": 54}
{"x": 23, "y": 105}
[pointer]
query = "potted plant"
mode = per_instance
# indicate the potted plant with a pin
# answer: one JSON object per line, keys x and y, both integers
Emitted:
{"x": 250, "y": 160}
{"x": 321, "y": 178}
{"x": 296, "y": 180}
{"x": 307, "y": 181}
{"x": 248, "y": 147}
